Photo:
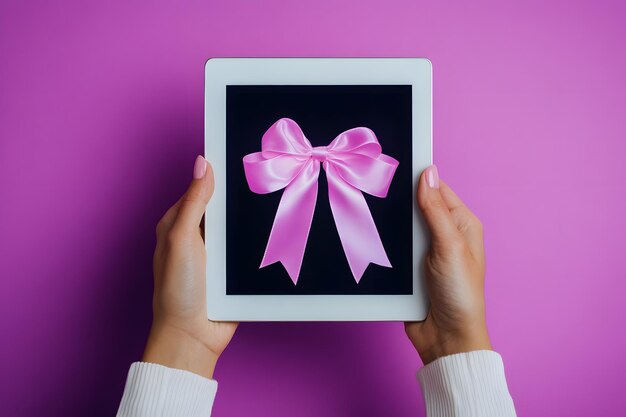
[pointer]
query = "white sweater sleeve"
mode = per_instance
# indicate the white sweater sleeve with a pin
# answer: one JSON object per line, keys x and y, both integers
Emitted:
{"x": 463, "y": 385}
{"x": 468, "y": 384}
{"x": 157, "y": 391}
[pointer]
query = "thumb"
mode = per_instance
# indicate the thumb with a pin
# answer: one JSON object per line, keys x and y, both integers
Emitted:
{"x": 194, "y": 201}
{"x": 434, "y": 208}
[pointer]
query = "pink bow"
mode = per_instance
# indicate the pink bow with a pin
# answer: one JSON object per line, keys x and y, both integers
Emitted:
{"x": 353, "y": 163}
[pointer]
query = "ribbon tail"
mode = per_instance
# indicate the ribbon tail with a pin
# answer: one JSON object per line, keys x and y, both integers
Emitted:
{"x": 355, "y": 225}
{"x": 290, "y": 231}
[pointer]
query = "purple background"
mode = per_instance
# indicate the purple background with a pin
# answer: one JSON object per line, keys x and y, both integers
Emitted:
{"x": 101, "y": 116}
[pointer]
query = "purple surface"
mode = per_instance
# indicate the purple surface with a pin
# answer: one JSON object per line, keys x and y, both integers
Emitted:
{"x": 100, "y": 121}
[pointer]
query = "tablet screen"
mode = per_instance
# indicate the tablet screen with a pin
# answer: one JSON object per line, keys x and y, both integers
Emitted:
{"x": 322, "y": 112}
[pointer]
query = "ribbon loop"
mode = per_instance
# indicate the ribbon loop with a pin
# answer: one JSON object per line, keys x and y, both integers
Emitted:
{"x": 284, "y": 137}
{"x": 353, "y": 162}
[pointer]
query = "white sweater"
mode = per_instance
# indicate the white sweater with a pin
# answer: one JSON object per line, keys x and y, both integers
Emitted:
{"x": 465, "y": 384}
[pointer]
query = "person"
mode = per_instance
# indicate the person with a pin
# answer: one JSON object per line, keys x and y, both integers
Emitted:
{"x": 462, "y": 375}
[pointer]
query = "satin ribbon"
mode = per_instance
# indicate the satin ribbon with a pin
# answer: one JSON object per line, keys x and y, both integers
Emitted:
{"x": 353, "y": 163}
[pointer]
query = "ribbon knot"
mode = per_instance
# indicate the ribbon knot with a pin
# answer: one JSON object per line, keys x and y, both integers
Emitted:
{"x": 319, "y": 153}
{"x": 353, "y": 162}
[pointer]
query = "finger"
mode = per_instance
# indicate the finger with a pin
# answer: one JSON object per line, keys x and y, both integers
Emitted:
{"x": 465, "y": 221}
{"x": 434, "y": 208}
{"x": 449, "y": 196}
{"x": 194, "y": 201}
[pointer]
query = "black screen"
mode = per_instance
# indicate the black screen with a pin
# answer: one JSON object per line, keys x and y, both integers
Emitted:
{"x": 322, "y": 112}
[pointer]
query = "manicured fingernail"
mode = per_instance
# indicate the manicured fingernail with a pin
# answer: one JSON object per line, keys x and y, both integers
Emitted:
{"x": 432, "y": 176}
{"x": 199, "y": 168}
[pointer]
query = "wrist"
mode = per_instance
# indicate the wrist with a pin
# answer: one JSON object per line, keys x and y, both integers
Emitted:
{"x": 450, "y": 344}
{"x": 175, "y": 348}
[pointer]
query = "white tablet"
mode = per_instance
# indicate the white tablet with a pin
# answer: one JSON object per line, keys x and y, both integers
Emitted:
{"x": 316, "y": 164}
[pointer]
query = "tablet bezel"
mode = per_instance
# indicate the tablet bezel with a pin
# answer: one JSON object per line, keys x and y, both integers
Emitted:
{"x": 220, "y": 72}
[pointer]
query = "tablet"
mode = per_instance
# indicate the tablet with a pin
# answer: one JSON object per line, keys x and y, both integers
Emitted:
{"x": 316, "y": 163}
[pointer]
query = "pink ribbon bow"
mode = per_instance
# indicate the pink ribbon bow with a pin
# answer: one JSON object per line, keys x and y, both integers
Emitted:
{"x": 353, "y": 163}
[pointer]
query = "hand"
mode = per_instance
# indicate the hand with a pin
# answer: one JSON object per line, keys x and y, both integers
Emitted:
{"x": 181, "y": 336}
{"x": 455, "y": 271}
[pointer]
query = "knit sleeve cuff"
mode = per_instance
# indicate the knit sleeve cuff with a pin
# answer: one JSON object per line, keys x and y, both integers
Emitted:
{"x": 466, "y": 384}
{"x": 156, "y": 390}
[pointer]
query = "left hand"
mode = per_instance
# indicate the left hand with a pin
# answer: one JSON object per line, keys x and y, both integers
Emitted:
{"x": 181, "y": 336}
{"x": 455, "y": 275}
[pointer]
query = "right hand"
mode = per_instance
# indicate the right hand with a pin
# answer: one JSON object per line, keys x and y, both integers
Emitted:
{"x": 455, "y": 272}
{"x": 181, "y": 336}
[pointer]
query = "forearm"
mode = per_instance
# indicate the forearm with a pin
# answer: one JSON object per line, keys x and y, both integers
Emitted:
{"x": 466, "y": 384}
{"x": 174, "y": 379}
{"x": 155, "y": 390}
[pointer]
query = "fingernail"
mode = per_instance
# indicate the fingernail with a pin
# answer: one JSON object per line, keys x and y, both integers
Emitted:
{"x": 199, "y": 168}
{"x": 432, "y": 176}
